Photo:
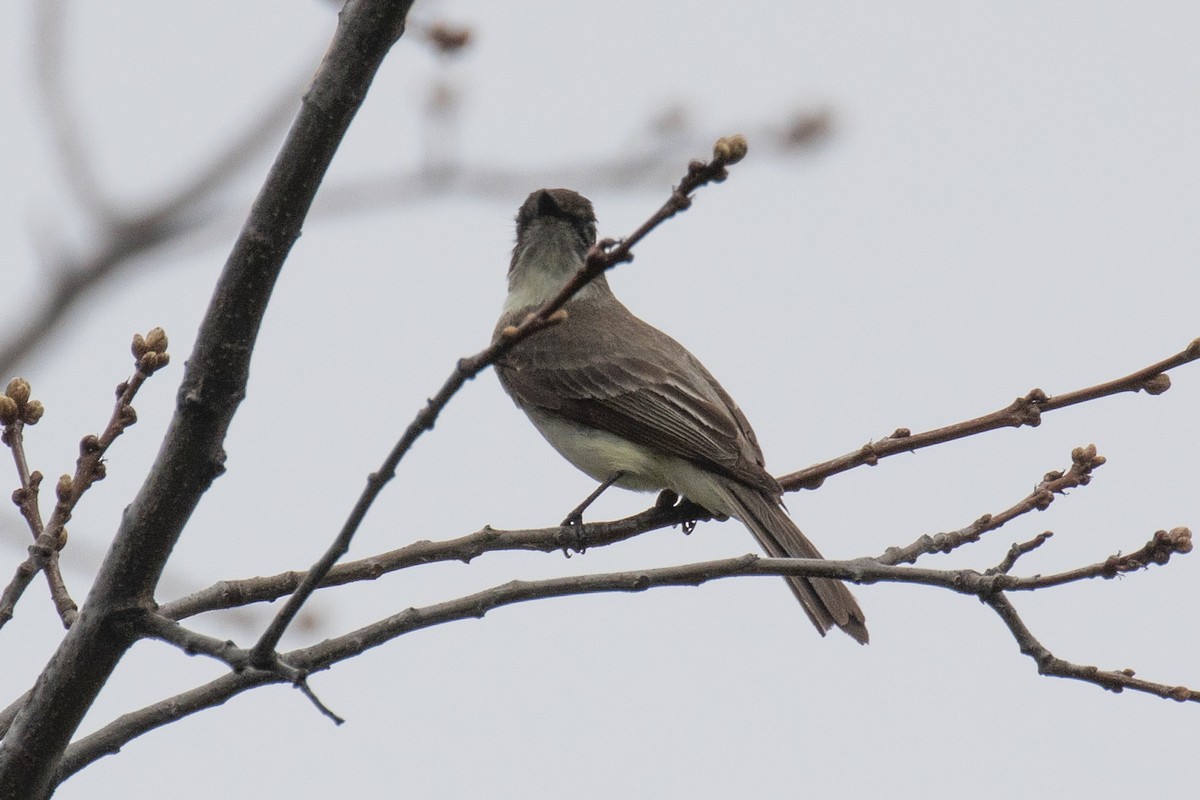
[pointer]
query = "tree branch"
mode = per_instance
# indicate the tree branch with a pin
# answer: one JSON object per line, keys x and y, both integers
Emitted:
{"x": 1025, "y": 410}
{"x": 990, "y": 586}
{"x": 1048, "y": 664}
{"x": 237, "y": 593}
{"x": 150, "y": 355}
{"x": 1083, "y": 461}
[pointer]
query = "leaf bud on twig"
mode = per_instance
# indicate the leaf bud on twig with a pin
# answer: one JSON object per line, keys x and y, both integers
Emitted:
{"x": 33, "y": 412}
{"x": 8, "y": 410}
{"x": 730, "y": 149}
{"x": 18, "y": 390}
{"x": 156, "y": 340}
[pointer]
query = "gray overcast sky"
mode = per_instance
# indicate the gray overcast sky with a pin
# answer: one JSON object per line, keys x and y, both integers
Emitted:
{"x": 1008, "y": 200}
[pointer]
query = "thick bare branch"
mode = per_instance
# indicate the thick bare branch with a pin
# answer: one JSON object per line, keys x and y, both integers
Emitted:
{"x": 213, "y": 386}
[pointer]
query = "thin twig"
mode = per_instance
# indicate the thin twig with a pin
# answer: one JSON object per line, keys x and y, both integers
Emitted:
{"x": 1017, "y": 550}
{"x": 1158, "y": 550}
{"x": 1048, "y": 664}
{"x": 1083, "y": 461}
{"x": 16, "y": 411}
{"x": 152, "y": 625}
{"x": 150, "y": 355}
{"x": 1025, "y": 410}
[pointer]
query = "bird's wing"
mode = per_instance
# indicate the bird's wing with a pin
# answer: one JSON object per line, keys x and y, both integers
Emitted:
{"x": 615, "y": 373}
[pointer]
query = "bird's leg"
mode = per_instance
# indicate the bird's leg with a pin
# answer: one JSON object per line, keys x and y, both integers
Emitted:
{"x": 574, "y": 520}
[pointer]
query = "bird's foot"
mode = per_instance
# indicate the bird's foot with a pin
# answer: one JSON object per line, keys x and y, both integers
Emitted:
{"x": 573, "y": 537}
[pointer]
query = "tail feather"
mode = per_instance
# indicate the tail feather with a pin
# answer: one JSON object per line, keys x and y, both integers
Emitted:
{"x": 827, "y": 602}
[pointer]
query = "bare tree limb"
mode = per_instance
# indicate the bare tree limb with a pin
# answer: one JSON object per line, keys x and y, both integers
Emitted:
{"x": 1052, "y": 666}
{"x": 111, "y": 738}
{"x": 148, "y": 624}
{"x": 236, "y": 593}
{"x": 990, "y": 586}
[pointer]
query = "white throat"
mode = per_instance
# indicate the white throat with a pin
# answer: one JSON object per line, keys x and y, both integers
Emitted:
{"x": 541, "y": 269}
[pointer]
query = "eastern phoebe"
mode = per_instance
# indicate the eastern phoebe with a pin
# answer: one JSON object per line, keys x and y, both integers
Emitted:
{"x": 618, "y": 397}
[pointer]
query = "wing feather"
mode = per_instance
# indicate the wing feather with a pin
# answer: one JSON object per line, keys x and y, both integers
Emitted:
{"x": 613, "y": 372}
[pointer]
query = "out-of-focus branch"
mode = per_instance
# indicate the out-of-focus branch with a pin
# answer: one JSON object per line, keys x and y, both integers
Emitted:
{"x": 126, "y": 239}
{"x": 66, "y": 133}
{"x": 213, "y": 386}
{"x": 646, "y": 163}
{"x": 123, "y": 237}
{"x": 69, "y": 138}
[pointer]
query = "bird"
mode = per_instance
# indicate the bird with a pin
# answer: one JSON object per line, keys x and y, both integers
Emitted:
{"x": 630, "y": 406}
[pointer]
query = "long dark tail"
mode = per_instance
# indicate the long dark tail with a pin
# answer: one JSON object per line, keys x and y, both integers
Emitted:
{"x": 827, "y": 602}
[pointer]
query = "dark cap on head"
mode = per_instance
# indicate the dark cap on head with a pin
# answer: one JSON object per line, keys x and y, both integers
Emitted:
{"x": 564, "y": 204}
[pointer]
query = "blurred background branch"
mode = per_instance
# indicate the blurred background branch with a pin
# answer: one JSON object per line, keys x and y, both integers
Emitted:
{"x": 125, "y": 241}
